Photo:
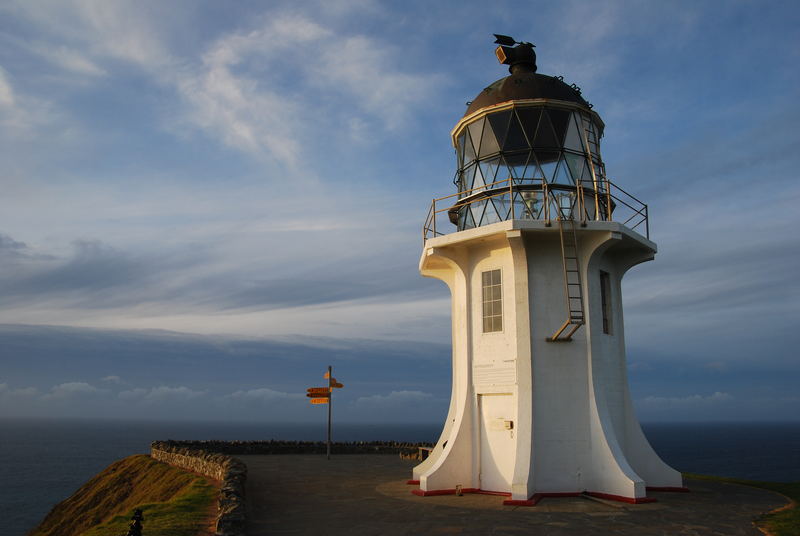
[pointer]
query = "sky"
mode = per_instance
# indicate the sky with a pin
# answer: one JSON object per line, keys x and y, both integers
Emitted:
{"x": 206, "y": 203}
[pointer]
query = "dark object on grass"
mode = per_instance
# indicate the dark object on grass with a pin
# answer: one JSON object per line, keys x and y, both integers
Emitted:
{"x": 135, "y": 528}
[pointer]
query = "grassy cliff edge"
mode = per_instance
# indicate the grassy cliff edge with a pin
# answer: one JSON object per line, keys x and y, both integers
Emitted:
{"x": 174, "y": 502}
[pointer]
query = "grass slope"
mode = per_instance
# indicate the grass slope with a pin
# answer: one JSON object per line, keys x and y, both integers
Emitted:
{"x": 174, "y": 502}
{"x": 782, "y": 522}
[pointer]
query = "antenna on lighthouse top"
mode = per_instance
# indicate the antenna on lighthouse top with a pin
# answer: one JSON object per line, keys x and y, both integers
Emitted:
{"x": 518, "y": 58}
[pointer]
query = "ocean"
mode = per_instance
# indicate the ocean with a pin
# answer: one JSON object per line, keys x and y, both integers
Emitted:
{"x": 44, "y": 461}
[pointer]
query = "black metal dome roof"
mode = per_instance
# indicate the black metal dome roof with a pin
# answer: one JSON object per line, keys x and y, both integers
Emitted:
{"x": 526, "y": 84}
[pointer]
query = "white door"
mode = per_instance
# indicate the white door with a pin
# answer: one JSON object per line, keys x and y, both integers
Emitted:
{"x": 497, "y": 441}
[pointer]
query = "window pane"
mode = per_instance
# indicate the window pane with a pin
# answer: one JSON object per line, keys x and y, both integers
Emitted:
{"x": 492, "y": 302}
{"x": 490, "y": 215}
{"x": 574, "y": 139}
{"x": 529, "y": 118}
{"x": 489, "y": 143}
{"x": 516, "y": 163}
{"x": 460, "y": 150}
{"x": 575, "y": 164}
{"x": 560, "y": 119}
{"x": 545, "y": 137}
{"x": 497, "y": 323}
{"x": 469, "y": 152}
{"x": 515, "y": 139}
{"x": 475, "y": 133}
{"x": 499, "y": 123}
{"x": 495, "y": 292}
{"x": 562, "y": 175}
{"x": 489, "y": 169}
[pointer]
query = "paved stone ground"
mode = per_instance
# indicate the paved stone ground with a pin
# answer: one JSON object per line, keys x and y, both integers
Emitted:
{"x": 367, "y": 495}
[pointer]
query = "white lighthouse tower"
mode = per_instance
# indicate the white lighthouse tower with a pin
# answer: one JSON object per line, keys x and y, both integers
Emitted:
{"x": 533, "y": 247}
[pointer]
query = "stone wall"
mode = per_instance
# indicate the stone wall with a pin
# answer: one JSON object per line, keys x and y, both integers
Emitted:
{"x": 296, "y": 447}
{"x": 232, "y": 473}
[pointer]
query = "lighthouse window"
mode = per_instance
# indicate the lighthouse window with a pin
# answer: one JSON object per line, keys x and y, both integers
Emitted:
{"x": 492, "y": 301}
{"x": 605, "y": 301}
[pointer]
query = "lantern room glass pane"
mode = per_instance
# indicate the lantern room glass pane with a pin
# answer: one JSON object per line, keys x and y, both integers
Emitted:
{"x": 560, "y": 120}
{"x": 529, "y": 118}
{"x": 489, "y": 169}
{"x": 548, "y": 161}
{"x": 573, "y": 139}
{"x": 515, "y": 138}
{"x": 516, "y": 164}
{"x": 502, "y": 206}
{"x": 561, "y": 174}
{"x": 477, "y": 212}
{"x": 478, "y": 181}
{"x": 489, "y": 145}
{"x": 490, "y": 215}
{"x": 468, "y": 176}
{"x": 499, "y": 124}
{"x": 475, "y": 131}
{"x": 460, "y": 149}
{"x": 466, "y": 218}
{"x": 576, "y": 164}
{"x": 545, "y": 136}
{"x": 469, "y": 151}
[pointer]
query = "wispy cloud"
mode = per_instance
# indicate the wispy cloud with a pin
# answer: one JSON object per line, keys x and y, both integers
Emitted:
{"x": 263, "y": 394}
{"x": 393, "y": 399}
{"x": 21, "y": 114}
{"x": 160, "y": 394}
{"x": 19, "y": 393}
{"x": 73, "y": 61}
{"x": 111, "y": 379}
{"x": 686, "y": 402}
{"x": 74, "y": 389}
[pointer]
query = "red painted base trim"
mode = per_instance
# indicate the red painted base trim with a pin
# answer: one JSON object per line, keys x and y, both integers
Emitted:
{"x": 620, "y": 498}
{"x": 412, "y": 482}
{"x": 668, "y": 488}
{"x": 537, "y": 497}
{"x": 497, "y": 493}
{"x": 432, "y": 492}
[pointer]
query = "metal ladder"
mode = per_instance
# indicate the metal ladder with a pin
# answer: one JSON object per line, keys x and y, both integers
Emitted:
{"x": 573, "y": 289}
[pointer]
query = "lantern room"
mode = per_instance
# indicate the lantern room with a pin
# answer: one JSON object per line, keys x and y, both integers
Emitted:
{"x": 528, "y": 148}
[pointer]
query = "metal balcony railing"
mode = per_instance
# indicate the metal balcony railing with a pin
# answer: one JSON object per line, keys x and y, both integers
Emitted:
{"x": 534, "y": 200}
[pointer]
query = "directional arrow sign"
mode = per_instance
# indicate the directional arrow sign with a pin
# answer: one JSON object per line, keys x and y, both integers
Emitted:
{"x": 319, "y": 400}
{"x": 336, "y": 384}
{"x": 319, "y": 389}
{"x": 318, "y": 395}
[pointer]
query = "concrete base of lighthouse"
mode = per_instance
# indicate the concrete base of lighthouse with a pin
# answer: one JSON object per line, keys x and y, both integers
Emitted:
{"x": 528, "y": 416}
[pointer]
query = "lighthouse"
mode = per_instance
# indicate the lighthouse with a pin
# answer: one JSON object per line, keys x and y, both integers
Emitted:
{"x": 533, "y": 245}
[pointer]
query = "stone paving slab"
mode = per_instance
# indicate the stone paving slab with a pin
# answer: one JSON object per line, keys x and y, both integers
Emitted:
{"x": 367, "y": 495}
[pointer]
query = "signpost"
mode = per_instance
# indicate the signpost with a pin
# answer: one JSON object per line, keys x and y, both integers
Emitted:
{"x": 322, "y": 395}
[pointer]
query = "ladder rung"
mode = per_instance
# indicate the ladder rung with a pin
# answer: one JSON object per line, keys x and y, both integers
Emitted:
{"x": 573, "y": 285}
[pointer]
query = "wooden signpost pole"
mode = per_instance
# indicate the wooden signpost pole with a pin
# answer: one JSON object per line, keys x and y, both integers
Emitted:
{"x": 330, "y": 403}
{"x": 323, "y": 395}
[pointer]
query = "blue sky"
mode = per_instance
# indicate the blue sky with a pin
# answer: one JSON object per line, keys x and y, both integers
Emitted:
{"x": 192, "y": 187}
